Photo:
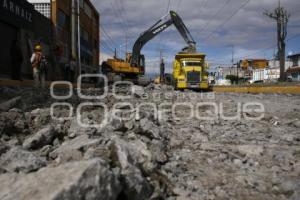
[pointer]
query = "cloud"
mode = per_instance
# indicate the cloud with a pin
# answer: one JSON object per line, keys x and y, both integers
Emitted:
{"x": 104, "y": 57}
{"x": 249, "y": 30}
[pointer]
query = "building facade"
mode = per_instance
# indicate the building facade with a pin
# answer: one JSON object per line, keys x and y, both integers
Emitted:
{"x": 68, "y": 45}
{"x": 251, "y": 64}
{"x": 276, "y": 64}
{"x": 20, "y": 23}
{"x": 42, "y": 6}
{"x": 225, "y": 71}
{"x": 66, "y": 29}
{"x": 267, "y": 75}
{"x": 293, "y": 72}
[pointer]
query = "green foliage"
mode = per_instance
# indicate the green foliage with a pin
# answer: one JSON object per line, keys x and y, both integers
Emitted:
{"x": 232, "y": 78}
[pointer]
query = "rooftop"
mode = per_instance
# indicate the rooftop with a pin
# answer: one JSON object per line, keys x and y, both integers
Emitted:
{"x": 39, "y": 1}
{"x": 294, "y": 55}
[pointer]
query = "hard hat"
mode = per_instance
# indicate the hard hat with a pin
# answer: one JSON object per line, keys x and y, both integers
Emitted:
{"x": 38, "y": 47}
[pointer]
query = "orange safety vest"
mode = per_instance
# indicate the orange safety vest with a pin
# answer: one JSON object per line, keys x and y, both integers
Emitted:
{"x": 37, "y": 60}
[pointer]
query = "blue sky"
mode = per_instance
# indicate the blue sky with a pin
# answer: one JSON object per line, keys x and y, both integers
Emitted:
{"x": 216, "y": 25}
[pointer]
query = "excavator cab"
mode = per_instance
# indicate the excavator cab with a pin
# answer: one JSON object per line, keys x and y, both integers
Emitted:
{"x": 141, "y": 64}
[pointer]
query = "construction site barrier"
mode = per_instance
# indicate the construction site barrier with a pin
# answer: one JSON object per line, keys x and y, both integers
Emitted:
{"x": 280, "y": 89}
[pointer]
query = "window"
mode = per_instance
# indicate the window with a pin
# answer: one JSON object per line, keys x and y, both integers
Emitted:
{"x": 87, "y": 10}
{"x": 295, "y": 61}
{"x": 81, "y": 3}
{"x": 43, "y": 8}
{"x": 192, "y": 63}
{"x": 66, "y": 50}
{"x": 84, "y": 34}
{"x": 96, "y": 19}
{"x": 96, "y": 44}
{"x": 62, "y": 19}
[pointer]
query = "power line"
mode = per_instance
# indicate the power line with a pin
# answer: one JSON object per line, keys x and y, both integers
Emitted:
{"x": 106, "y": 46}
{"x": 126, "y": 21}
{"x": 228, "y": 19}
{"x": 110, "y": 39}
{"x": 293, "y": 37}
{"x": 169, "y": 6}
{"x": 178, "y": 5}
{"x": 106, "y": 43}
{"x": 118, "y": 17}
{"x": 116, "y": 10}
{"x": 271, "y": 47}
{"x": 121, "y": 11}
{"x": 203, "y": 4}
{"x": 125, "y": 12}
{"x": 254, "y": 53}
{"x": 217, "y": 13}
{"x": 107, "y": 35}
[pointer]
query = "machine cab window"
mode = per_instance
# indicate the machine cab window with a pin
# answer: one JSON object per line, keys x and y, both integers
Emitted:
{"x": 142, "y": 61}
{"x": 192, "y": 63}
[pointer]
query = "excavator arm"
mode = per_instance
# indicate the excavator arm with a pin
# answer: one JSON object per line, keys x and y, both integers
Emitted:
{"x": 156, "y": 29}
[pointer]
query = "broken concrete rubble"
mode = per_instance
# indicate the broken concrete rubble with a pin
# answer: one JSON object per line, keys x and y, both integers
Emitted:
{"x": 77, "y": 180}
{"x": 41, "y": 138}
{"x": 73, "y": 149}
{"x": 150, "y": 158}
{"x": 9, "y": 104}
{"x": 128, "y": 158}
{"x": 149, "y": 129}
{"x": 138, "y": 91}
{"x": 13, "y": 123}
{"x": 19, "y": 160}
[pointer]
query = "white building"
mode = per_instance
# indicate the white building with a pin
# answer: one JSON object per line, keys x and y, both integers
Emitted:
{"x": 42, "y": 6}
{"x": 224, "y": 71}
{"x": 266, "y": 75}
{"x": 293, "y": 72}
{"x": 271, "y": 73}
{"x": 276, "y": 64}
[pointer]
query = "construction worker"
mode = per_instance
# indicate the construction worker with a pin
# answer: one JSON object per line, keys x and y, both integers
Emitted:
{"x": 39, "y": 75}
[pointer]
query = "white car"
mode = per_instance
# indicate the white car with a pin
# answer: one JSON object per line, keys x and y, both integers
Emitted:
{"x": 223, "y": 82}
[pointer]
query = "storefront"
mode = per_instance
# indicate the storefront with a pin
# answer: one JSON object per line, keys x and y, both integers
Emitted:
{"x": 16, "y": 18}
{"x": 20, "y": 22}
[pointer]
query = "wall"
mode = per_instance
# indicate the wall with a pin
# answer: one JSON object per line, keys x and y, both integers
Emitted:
{"x": 91, "y": 25}
{"x": 276, "y": 64}
{"x": 89, "y": 51}
{"x": 21, "y": 22}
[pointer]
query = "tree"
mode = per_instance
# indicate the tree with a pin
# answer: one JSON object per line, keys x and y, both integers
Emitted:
{"x": 282, "y": 17}
{"x": 233, "y": 79}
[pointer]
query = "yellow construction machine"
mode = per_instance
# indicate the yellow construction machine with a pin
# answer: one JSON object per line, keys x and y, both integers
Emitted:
{"x": 190, "y": 71}
{"x": 133, "y": 67}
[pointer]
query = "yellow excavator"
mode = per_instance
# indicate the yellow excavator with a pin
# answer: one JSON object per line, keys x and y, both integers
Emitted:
{"x": 133, "y": 67}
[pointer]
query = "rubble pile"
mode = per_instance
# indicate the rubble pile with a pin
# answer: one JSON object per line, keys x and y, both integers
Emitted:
{"x": 147, "y": 149}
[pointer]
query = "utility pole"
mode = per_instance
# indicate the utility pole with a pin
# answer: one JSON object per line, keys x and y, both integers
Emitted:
{"x": 162, "y": 66}
{"x": 126, "y": 45}
{"x": 73, "y": 28}
{"x": 282, "y": 17}
{"x": 232, "y": 59}
{"x": 78, "y": 39}
{"x": 238, "y": 66}
{"x": 232, "y": 63}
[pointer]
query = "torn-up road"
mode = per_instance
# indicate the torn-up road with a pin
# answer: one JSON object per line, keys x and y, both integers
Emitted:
{"x": 156, "y": 144}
